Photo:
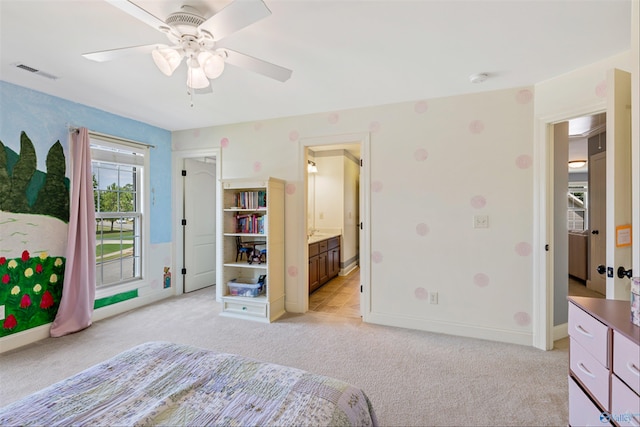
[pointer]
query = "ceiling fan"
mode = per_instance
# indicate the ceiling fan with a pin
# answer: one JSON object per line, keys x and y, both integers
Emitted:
{"x": 195, "y": 39}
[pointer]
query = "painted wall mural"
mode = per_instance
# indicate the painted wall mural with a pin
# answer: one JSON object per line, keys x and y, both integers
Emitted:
{"x": 31, "y": 203}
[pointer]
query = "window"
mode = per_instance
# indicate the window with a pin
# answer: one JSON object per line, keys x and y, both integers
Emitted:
{"x": 119, "y": 196}
{"x": 577, "y": 204}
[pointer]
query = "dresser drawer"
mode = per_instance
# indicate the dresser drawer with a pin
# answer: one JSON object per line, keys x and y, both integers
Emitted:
{"x": 590, "y": 372}
{"x": 590, "y": 333}
{"x": 582, "y": 411}
{"x": 626, "y": 361}
{"x": 247, "y": 309}
{"x": 625, "y": 404}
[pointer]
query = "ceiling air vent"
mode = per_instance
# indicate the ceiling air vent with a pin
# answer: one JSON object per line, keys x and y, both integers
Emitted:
{"x": 36, "y": 71}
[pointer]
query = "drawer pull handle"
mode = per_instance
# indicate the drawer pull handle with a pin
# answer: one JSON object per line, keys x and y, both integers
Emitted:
{"x": 585, "y": 370}
{"x": 633, "y": 368}
{"x": 583, "y": 331}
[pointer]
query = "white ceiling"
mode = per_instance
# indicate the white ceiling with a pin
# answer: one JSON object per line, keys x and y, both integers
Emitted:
{"x": 344, "y": 54}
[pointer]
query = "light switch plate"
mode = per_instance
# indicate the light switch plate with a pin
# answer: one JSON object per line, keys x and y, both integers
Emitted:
{"x": 481, "y": 221}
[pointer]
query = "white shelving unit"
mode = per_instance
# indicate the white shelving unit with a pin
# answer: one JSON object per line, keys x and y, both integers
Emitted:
{"x": 268, "y": 306}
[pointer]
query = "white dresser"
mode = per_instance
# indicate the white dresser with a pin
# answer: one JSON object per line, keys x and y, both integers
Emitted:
{"x": 604, "y": 363}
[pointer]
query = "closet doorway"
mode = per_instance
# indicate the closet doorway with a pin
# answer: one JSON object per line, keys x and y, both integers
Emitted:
{"x": 196, "y": 197}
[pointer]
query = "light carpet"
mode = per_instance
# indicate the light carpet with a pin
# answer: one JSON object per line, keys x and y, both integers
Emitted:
{"x": 413, "y": 378}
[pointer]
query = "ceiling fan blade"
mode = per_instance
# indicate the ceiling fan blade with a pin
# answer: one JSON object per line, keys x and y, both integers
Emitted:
{"x": 140, "y": 14}
{"x": 257, "y": 65}
{"x": 235, "y": 16}
{"x": 108, "y": 55}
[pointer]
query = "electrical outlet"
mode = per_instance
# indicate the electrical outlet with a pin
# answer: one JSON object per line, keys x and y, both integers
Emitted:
{"x": 481, "y": 221}
{"x": 1, "y": 312}
{"x": 433, "y": 297}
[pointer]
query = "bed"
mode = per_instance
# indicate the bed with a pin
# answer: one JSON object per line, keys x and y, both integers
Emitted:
{"x": 160, "y": 383}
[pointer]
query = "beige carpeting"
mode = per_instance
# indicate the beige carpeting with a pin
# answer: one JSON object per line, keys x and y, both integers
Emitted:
{"x": 413, "y": 378}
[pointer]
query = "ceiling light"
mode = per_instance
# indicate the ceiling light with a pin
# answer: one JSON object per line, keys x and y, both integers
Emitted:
{"x": 478, "y": 78}
{"x": 311, "y": 167}
{"x": 212, "y": 63}
{"x": 167, "y": 60}
{"x": 575, "y": 164}
{"x": 196, "y": 78}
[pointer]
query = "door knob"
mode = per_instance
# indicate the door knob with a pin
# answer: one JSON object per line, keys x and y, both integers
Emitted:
{"x": 622, "y": 273}
{"x": 595, "y": 232}
{"x": 601, "y": 269}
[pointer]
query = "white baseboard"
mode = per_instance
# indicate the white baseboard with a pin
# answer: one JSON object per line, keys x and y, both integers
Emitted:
{"x": 560, "y": 331}
{"x": 451, "y": 328}
{"x": 20, "y": 339}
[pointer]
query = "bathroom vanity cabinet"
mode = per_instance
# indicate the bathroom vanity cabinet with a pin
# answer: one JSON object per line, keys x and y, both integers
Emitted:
{"x": 324, "y": 260}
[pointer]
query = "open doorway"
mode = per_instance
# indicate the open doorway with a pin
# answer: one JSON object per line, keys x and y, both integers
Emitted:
{"x": 333, "y": 180}
{"x": 196, "y": 197}
{"x": 586, "y": 205}
{"x": 333, "y": 156}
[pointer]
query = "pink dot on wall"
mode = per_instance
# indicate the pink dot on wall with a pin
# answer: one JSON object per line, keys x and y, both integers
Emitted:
{"x": 290, "y": 189}
{"x": 601, "y": 89}
{"x": 376, "y": 257}
{"x": 257, "y": 166}
{"x": 421, "y": 107}
{"x": 476, "y": 126}
{"x": 523, "y": 249}
{"x": 376, "y": 186}
{"x": 481, "y": 280}
{"x": 224, "y": 142}
{"x": 333, "y": 118}
{"x": 196, "y": 133}
{"x": 421, "y": 293}
{"x": 422, "y": 229}
{"x": 294, "y": 135}
{"x": 524, "y": 96}
{"x": 420, "y": 154}
{"x": 374, "y": 126}
{"x": 292, "y": 271}
{"x": 522, "y": 319}
{"x": 257, "y": 126}
{"x": 524, "y": 161}
{"x": 478, "y": 202}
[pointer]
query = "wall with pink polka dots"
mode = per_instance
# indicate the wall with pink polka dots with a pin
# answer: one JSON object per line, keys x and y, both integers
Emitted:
{"x": 435, "y": 164}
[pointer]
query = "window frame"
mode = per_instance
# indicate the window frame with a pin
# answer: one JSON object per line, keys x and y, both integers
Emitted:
{"x": 140, "y": 160}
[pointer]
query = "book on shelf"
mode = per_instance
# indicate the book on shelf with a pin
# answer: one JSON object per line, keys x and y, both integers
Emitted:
{"x": 251, "y": 224}
{"x": 251, "y": 199}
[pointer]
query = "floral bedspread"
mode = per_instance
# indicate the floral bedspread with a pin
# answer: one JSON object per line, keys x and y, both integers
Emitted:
{"x": 161, "y": 383}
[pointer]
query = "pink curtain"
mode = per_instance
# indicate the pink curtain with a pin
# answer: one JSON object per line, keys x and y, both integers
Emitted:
{"x": 79, "y": 288}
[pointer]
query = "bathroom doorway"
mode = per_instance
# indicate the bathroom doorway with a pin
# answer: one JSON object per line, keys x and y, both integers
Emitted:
{"x": 336, "y": 210}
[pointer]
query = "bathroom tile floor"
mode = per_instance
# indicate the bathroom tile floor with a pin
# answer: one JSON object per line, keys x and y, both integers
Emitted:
{"x": 340, "y": 296}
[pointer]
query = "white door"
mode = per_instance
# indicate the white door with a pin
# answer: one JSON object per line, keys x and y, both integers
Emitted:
{"x": 597, "y": 222}
{"x": 618, "y": 182}
{"x": 200, "y": 229}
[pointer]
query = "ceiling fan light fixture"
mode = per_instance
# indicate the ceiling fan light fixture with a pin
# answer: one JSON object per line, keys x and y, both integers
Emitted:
{"x": 167, "y": 60}
{"x": 213, "y": 64}
{"x": 196, "y": 78}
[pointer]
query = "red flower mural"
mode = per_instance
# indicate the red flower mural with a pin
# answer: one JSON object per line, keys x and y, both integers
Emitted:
{"x": 47, "y": 300}
{"x": 25, "y": 301}
{"x": 2, "y": 260}
{"x": 10, "y": 322}
{"x": 6, "y": 279}
{"x": 25, "y": 256}
{"x": 39, "y": 268}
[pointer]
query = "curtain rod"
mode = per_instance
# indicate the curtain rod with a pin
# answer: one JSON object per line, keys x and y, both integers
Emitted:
{"x": 115, "y": 138}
